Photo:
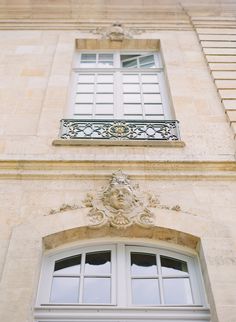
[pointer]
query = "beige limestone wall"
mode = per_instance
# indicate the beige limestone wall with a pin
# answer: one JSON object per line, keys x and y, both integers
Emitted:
{"x": 36, "y": 55}
{"x": 218, "y": 40}
{"x": 207, "y": 212}
{"x": 35, "y": 72}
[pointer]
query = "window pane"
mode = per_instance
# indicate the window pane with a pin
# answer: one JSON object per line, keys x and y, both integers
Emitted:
{"x": 149, "y": 78}
{"x": 84, "y": 98}
{"x": 155, "y": 118}
{"x": 177, "y": 291}
{"x": 105, "y": 109}
{"x": 150, "y": 65}
{"x": 104, "y": 98}
{"x": 143, "y": 264}
{"x": 64, "y": 290}
{"x": 145, "y": 292}
{"x": 105, "y": 56}
{"x": 86, "y": 78}
{"x": 150, "y": 88}
{"x": 153, "y": 109}
{"x": 173, "y": 266}
{"x": 85, "y": 88}
{"x": 88, "y": 57}
{"x": 132, "y": 98}
{"x": 97, "y": 290}
{"x": 152, "y": 98}
{"x": 134, "y": 109}
{"x": 147, "y": 60}
{"x": 98, "y": 263}
{"x": 130, "y": 64}
{"x": 101, "y": 78}
{"x": 105, "y": 88}
{"x": 83, "y": 109}
{"x": 88, "y": 64}
{"x": 130, "y": 78}
{"x": 70, "y": 265}
{"x": 131, "y": 88}
{"x": 105, "y": 64}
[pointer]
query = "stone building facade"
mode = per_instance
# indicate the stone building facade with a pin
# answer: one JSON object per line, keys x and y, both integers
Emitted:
{"x": 145, "y": 209}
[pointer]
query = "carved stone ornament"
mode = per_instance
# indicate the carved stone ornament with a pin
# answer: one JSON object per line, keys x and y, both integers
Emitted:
{"x": 115, "y": 32}
{"x": 119, "y": 205}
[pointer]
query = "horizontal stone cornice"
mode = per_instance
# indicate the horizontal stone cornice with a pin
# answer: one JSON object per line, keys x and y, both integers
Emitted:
{"x": 100, "y": 169}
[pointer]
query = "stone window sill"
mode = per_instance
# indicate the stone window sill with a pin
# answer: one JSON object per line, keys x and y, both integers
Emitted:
{"x": 98, "y": 142}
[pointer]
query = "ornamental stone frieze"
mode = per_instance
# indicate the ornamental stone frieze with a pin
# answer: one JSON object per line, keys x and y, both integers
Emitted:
{"x": 116, "y": 32}
{"x": 120, "y": 205}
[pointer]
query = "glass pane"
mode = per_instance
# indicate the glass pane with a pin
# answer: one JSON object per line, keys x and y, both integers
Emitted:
{"x": 153, "y": 109}
{"x": 132, "y": 98}
{"x": 152, "y": 98}
{"x": 150, "y": 65}
{"x": 155, "y": 117}
{"x": 104, "y": 78}
{"x": 173, "y": 266}
{"x": 105, "y": 88}
{"x": 130, "y": 78}
{"x": 86, "y": 78}
{"x": 83, "y": 109}
{"x": 128, "y": 56}
{"x": 65, "y": 290}
{"x": 70, "y": 265}
{"x": 98, "y": 263}
{"x": 105, "y": 109}
{"x": 88, "y": 57}
{"x": 104, "y": 98}
{"x": 146, "y": 60}
{"x": 177, "y": 291}
{"x": 130, "y": 63}
{"x": 85, "y": 88}
{"x": 132, "y": 109}
{"x": 145, "y": 292}
{"x": 143, "y": 264}
{"x": 151, "y": 88}
{"x": 84, "y": 98}
{"x": 105, "y": 57}
{"x": 105, "y": 64}
{"x": 97, "y": 290}
{"x": 149, "y": 78}
{"x": 131, "y": 88}
{"x": 88, "y": 64}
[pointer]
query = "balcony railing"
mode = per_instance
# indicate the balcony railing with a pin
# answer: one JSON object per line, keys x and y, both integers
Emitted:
{"x": 119, "y": 130}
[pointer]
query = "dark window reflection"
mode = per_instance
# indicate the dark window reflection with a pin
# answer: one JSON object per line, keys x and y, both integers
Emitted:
{"x": 69, "y": 265}
{"x": 143, "y": 264}
{"x": 98, "y": 263}
{"x": 173, "y": 266}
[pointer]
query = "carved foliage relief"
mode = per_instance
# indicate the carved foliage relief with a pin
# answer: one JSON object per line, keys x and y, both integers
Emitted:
{"x": 120, "y": 204}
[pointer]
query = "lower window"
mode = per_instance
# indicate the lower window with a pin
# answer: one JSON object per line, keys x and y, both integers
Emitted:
{"x": 113, "y": 278}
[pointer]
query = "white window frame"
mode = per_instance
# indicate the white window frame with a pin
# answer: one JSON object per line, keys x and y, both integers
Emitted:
{"x": 120, "y": 308}
{"x": 117, "y": 71}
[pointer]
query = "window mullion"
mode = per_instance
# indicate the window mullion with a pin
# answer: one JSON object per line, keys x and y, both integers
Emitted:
{"x": 141, "y": 94}
{"x": 121, "y": 281}
{"x": 118, "y": 95}
{"x": 82, "y": 277}
{"x": 160, "y": 280}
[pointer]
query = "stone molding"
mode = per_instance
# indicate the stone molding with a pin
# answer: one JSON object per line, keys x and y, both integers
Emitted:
{"x": 102, "y": 169}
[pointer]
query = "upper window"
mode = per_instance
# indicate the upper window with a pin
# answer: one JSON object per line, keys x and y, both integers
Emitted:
{"x": 119, "y": 86}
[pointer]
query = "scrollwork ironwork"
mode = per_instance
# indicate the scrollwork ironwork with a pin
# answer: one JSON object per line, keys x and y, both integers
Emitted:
{"x": 119, "y": 129}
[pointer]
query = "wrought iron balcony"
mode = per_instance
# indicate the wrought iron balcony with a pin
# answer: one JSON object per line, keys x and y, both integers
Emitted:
{"x": 119, "y": 130}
